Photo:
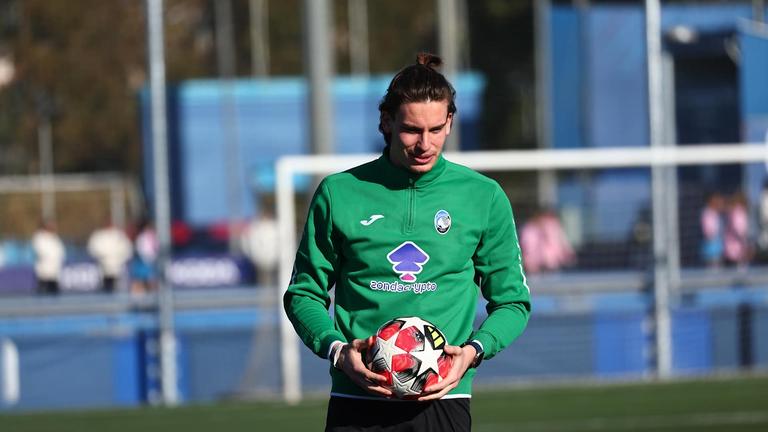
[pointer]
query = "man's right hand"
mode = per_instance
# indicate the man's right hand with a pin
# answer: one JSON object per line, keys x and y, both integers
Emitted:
{"x": 351, "y": 363}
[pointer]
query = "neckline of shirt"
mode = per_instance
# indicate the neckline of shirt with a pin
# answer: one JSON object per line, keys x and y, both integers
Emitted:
{"x": 399, "y": 176}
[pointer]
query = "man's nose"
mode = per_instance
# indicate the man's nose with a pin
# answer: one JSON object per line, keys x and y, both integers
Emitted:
{"x": 424, "y": 140}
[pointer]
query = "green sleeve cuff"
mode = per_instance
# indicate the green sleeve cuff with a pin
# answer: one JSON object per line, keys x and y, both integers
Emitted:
{"x": 488, "y": 342}
{"x": 327, "y": 339}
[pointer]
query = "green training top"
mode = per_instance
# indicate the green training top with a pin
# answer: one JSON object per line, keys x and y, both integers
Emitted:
{"x": 399, "y": 244}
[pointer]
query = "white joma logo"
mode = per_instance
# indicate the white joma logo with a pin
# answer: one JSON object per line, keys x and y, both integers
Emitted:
{"x": 371, "y": 219}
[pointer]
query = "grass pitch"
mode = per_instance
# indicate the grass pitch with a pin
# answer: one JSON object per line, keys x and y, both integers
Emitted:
{"x": 727, "y": 405}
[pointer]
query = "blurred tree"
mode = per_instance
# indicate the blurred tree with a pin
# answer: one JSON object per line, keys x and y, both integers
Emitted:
{"x": 86, "y": 60}
{"x": 399, "y": 30}
{"x": 285, "y": 38}
{"x": 9, "y": 155}
{"x": 85, "y": 68}
{"x": 189, "y": 39}
{"x": 501, "y": 47}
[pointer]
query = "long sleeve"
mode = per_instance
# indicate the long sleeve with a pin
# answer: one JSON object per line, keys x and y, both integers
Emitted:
{"x": 307, "y": 300}
{"x": 499, "y": 267}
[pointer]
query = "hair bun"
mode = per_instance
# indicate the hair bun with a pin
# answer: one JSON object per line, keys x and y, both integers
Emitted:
{"x": 429, "y": 60}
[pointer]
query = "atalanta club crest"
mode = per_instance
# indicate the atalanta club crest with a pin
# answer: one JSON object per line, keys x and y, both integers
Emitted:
{"x": 442, "y": 221}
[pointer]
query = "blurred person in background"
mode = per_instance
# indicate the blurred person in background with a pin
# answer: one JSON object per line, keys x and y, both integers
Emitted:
{"x": 557, "y": 251}
{"x": 543, "y": 242}
{"x": 259, "y": 242}
{"x": 531, "y": 240}
{"x": 112, "y": 249}
{"x": 146, "y": 249}
{"x": 49, "y": 257}
{"x": 712, "y": 227}
{"x": 375, "y": 230}
{"x": 738, "y": 250}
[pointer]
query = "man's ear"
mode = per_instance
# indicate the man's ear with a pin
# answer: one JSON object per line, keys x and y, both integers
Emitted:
{"x": 386, "y": 122}
{"x": 448, "y": 124}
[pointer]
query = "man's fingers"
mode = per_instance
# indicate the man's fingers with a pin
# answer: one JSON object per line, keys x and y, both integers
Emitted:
{"x": 372, "y": 376}
{"x": 372, "y": 386}
{"x": 379, "y": 390}
{"x": 370, "y": 341}
{"x": 449, "y": 380}
{"x": 452, "y": 350}
{"x": 430, "y": 397}
{"x": 358, "y": 344}
{"x": 438, "y": 395}
{"x": 361, "y": 344}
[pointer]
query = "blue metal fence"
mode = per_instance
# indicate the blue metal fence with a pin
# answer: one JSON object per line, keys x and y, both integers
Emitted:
{"x": 109, "y": 359}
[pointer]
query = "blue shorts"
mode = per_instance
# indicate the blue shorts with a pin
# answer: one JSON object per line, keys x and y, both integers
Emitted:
{"x": 712, "y": 250}
{"x": 142, "y": 270}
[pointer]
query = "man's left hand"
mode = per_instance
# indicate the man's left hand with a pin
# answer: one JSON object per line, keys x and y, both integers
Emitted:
{"x": 462, "y": 358}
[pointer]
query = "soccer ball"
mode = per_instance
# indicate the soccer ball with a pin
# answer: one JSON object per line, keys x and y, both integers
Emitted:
{"x": 409, "y": 353}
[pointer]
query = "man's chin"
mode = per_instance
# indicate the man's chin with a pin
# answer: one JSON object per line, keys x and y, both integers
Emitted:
{"x": 420, "y": 168}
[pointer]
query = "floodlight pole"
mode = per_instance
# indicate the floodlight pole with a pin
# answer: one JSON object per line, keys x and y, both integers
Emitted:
{"x": 259, "y": 14}
{"x": 547, "y": 184}
{"x": 319, "y": 63}
{"x": 449, "y": 39}
{"x": 47, "y": 185}
{"x": 167, "y": 339}
{"x": 357, "y": 18}
{"x": 659, "y": 200}
{"x": 227, "y": 68}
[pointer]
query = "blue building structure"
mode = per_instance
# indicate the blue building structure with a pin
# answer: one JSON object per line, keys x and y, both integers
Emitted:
{"x": 717, "y": 72}
{"x": 263, "y": 120}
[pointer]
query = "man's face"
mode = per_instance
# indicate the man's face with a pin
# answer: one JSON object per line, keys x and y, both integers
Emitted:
{"x": 418, "y": 133}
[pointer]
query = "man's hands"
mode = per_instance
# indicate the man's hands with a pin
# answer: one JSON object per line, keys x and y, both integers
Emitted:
{"x": 462, "y": 358}
{"x": 351, "y": 363}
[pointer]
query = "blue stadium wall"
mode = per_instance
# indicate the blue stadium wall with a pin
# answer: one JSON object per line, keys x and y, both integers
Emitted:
{"x": 270, "y": 119}
{"x": 598, "y": 88}
{"x": 98, "y": 361}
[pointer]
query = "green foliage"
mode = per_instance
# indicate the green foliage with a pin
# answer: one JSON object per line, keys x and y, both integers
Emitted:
{"x": 502, "y": 48}
{"x": 75, "y": 62}
{"x": 82, "y": 62}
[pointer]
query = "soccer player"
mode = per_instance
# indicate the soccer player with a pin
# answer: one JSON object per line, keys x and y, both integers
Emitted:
{"x": 408, "y": 234}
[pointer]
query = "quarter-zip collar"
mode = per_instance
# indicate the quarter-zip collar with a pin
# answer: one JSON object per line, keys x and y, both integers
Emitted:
{"x": 398, "y": 177}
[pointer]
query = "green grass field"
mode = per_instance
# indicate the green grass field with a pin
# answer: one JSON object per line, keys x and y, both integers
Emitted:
{"x": 727, "y": 405}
